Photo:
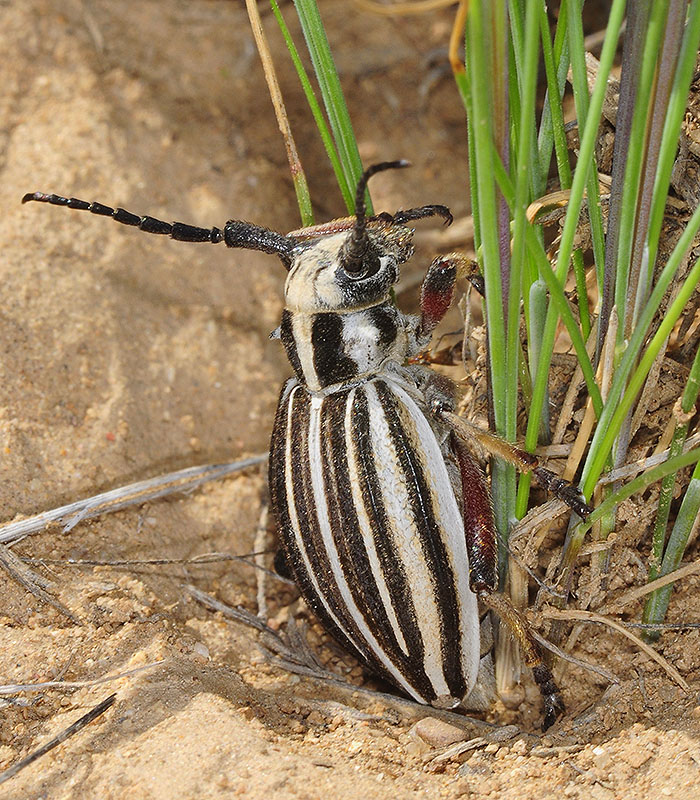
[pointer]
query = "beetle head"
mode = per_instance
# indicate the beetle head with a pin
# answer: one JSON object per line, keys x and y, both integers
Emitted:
{"x": 352, "y": 263}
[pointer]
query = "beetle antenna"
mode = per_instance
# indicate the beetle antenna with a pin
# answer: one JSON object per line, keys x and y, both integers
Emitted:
{"x": 236, "y": 233}
{"x": 402, "y": 217}
{"x": 355, "y": 248}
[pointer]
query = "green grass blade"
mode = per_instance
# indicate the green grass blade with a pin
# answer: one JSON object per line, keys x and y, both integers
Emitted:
{"x": 674, "y": 116}
{"x": 588, "y": 140}
{"x": 324, "y": 132}
{"x": 618, "y": 404}
{"x": 640, "y": 483}
{"x": 577, "y": 51}
{"x": 632, "y": 59}
{"x": 523, "y": 182}
{"x": 657, "y": 602}
{"x": 627, "y": 274}
{"x": 687, "y": 407}
{"x": 484, "y": 194}
{"x": 331, "y": 92}
{"x": 552, "y": 131}
{"x": 640, "y": 264}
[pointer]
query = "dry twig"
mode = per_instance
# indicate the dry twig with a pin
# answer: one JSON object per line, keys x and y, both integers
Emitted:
{"x": 70, "y": 515}
{"x": 71, "y": 730}
{"x": 16, "y": 688}
{"x": 590, "y": 616}
{"x": 640, "y": 591}
{"x": 32, "y": 582}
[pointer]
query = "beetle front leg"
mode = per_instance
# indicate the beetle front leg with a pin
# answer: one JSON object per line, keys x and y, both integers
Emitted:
{"x": 438, "y": 288}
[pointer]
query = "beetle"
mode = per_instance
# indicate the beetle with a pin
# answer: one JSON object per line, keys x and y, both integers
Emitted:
{"x": 383, "y": 513}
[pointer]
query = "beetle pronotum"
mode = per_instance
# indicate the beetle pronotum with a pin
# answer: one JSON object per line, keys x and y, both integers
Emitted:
{"x": 384, "y": 515}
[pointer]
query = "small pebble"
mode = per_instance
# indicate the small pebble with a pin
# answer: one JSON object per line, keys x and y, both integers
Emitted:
{"x": 601, "y": 757}
{"x": 201, "y": 650}
{"x": 437, "y": 733}
{"x": 504, "y": 734}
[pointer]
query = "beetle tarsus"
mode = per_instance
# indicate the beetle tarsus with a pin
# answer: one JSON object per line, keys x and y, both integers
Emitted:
{"x": 553, "y": 704}
{"x": 564, "y": 491}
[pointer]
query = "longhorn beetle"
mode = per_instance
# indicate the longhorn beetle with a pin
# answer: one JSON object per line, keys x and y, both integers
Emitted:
{"x": 383, "y": 513}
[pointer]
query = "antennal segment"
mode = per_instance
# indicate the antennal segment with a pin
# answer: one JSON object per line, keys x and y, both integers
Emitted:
{"x": 401, "y": 217}
{"x": 236, "y": 233}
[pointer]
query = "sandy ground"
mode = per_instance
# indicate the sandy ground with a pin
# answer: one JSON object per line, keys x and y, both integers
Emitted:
{"x": 127, "y": 356}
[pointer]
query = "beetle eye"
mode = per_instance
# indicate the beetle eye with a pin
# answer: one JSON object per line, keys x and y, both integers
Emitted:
{"x": 369, "y": 266}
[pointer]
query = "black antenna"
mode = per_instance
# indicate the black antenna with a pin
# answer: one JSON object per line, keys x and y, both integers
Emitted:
{"x": 355, "y": 248}
{"x": 401, "y": 217}
{"x": 236, "y": 233}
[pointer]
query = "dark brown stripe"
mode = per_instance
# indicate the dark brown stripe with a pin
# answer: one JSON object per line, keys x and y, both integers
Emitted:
{"x": 330, "y": 362}
{"x": 383, "y": 318}
{"x": 278, "y": 499}
{"x": 316, "y": 552}
{"x": 290, "y": 345}
{"x": 279, "y": 504}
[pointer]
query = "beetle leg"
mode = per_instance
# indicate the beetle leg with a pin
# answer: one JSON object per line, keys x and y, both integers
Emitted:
{"x": 532, "y": 654}
{"x": 479, "y": 527}
{"x": 438, "y": 288}
{"x": 522, "y": 460}
{"x": 480, "y": 531}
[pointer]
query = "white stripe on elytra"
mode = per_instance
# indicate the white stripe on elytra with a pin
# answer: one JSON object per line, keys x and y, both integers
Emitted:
{"x": 320, "y": 503}
{"x": 451, "y": 525}
{"x": 315, "y": 460}
{"x": 406, "y": 541}
{"x": 359, "y": 504}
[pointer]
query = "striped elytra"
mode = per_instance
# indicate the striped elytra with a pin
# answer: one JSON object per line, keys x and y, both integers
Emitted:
{"x": 372, "y": 530}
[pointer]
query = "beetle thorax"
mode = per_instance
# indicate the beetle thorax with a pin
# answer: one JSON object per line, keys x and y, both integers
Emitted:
{"x": 333, "y": 349}
{"x": 339, "y": 325}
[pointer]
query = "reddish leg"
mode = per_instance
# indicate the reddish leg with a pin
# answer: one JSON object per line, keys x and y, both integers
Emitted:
{"x": 483, "y": 578}
{"x": 438, "y": 288}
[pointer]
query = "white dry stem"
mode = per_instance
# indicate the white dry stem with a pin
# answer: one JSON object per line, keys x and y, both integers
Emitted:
{"x": 70, "y": 515}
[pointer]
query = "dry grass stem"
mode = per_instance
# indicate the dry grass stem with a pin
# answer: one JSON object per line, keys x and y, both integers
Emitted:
{"x": 590, "y": 616}
{"x": 32, "y": 582}
{"x": 71, "y": 730}
{"x": 402, "y": 9}
{"x": 260, "y": 546}
{"x": 16, "y": 688}
{"x": 70, "y": 515}
{"x": 274, "y": 90}
{"x": 634, "y": 468}
{"x": 641, "y": 591}
{"x": 564, "y": 656}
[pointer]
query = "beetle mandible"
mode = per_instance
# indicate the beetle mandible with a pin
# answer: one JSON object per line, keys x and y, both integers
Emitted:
{"x": 383, "y": 513}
